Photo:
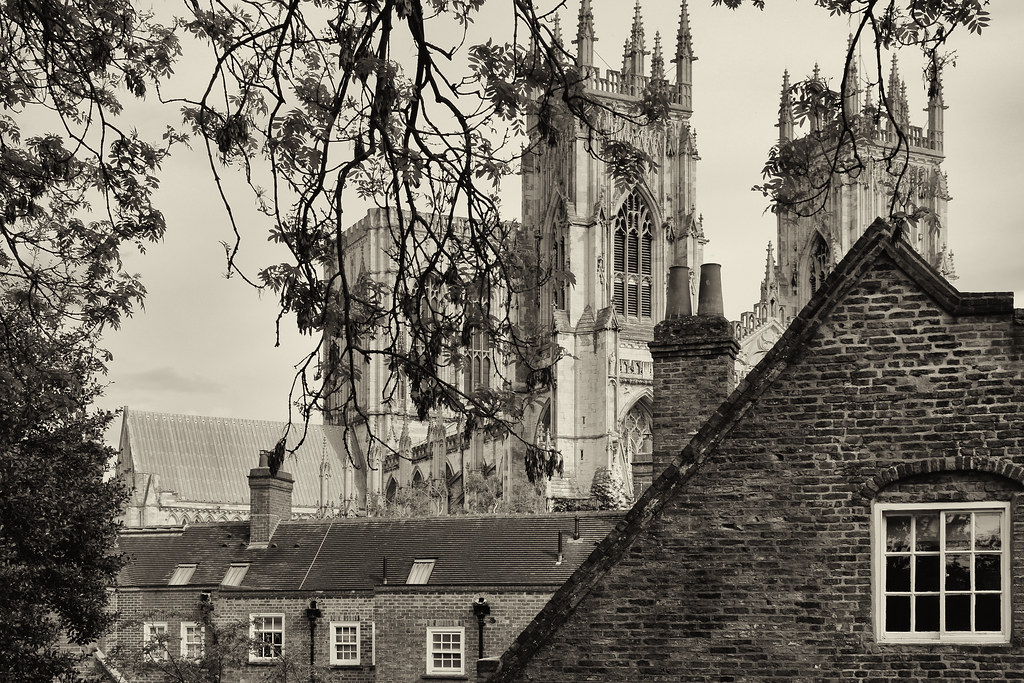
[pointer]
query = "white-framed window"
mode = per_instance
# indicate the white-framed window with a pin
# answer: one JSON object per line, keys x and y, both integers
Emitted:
{"x": 154, "y": 635}
{"x": 266, "y": 633}
{"x": 193, "y": 635}
{"x": 942, "y": 572}
{"x": 345, "y": 643}
{"x": 445, "y": 650}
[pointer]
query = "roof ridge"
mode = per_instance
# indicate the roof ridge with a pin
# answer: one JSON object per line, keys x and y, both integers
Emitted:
{"x": 129, "y": 411}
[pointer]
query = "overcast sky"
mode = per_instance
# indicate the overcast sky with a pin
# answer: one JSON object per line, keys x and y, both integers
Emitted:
{"x": 206, "y": 344}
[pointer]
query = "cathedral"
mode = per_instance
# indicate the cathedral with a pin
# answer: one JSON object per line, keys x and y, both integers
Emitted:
{"x": 619, "y": 241}
{"x": 813, "y": 236}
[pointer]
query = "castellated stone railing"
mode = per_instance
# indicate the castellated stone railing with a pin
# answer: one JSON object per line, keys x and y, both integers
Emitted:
{"x": 751, "y": 321}
{"x": 916, "y": 136}
{"x": 632, "y": 85}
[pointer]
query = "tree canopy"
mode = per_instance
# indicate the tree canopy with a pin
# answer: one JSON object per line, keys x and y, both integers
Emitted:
{"x": 395, "y": 101}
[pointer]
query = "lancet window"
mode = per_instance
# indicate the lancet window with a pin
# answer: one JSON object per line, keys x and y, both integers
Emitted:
{"x": 634, "y": 239}
{"x": 635, "y": 440}
{"x": 820, "y": 263}
{"x": 477, "y": 373}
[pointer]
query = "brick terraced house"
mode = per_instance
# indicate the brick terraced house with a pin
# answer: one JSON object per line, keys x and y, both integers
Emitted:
{"x": 851, "y": 511}
{"x": 360, "y": 599}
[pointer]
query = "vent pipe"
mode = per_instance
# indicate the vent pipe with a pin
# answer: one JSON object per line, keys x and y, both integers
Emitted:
{"x": 576, "y": 528}
{"x": 559, "y": 561}
{"x": 709, "y": 297}
{"x": 384, "y": 569}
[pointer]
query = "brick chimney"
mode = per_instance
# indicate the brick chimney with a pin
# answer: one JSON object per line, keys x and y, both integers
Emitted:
{"x": 694, "y": 363}
{"x": 270, "y": 502}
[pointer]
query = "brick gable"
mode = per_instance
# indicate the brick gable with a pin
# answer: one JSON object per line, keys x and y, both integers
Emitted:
{"x": 750, "y": 558}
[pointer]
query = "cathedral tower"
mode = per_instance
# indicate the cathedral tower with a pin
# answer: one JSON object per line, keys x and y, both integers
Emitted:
{"x": 618, "y": 240}
{"x": 814, "y": 236}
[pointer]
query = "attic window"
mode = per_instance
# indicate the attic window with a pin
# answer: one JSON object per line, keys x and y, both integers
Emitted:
{"x": 182, "y": 574}
{"x": 420, "y": 572}
{"x": 235, "y": 574}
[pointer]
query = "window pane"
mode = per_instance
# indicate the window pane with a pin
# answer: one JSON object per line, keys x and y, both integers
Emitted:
{"x": 987, "y": 572}
{"x": 987, "y": 613}
{"x": 926, "y": 573}
{"x": 958, "y": 612}
{"x": 958, "y": 531}
{"x": 958, "y": 572}
{"x": 926, "y": 610}
{"x": 897, "y": 573}
{"x": 897, "y": 534}
{"x": 927, "y": 533}
{"x": 986, "y": 531}
{"x": 897, "y": 613}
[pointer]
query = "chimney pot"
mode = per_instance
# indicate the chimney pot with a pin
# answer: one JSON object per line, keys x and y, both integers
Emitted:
{"x": 678, "y": 304}
{"x": 709, "y": 296}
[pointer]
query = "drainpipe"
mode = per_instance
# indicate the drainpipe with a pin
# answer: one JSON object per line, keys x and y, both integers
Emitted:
{"x": 313, "y": 614}
{"x": 481, "y": 609}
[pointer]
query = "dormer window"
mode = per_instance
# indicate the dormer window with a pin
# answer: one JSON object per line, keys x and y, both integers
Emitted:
{"x": 235, "y": 574}
{"x": 182, "y": 574}
{"x": 420, "y": 571}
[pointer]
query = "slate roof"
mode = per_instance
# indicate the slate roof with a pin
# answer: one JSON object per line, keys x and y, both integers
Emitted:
{"x": 876, "y": 242}
{"x": 348, "y": 554}
{"x": 205, "y": 459}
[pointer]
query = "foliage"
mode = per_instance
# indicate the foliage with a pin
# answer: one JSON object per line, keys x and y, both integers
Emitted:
{"x": 226, "y": 647}
{"x": 879, "y": 26}
{"x": 73, "y": 196}
{"x": 402, "y": 103}
{"x": 57, "y": 529}
{"x": 427, "y": 499}
{"x": 608, "y": 490}
{"x": 484, "y": 496}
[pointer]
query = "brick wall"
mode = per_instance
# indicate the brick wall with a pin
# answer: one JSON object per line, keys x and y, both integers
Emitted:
{"x": 759, "y": 567}
{"x": 695, "y": 357}
{"x": 393, "y": 623}
{"x": 404, "y": 613}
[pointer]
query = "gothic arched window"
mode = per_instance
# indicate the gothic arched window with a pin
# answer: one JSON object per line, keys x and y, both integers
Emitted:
{"x": 477, "y": 373}
{"x": 635, "y": 440}
{"x": 820, "y": 262}
{"x": 634, "y": 238}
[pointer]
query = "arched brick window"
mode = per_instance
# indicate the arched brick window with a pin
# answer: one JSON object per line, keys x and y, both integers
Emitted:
{"x": 633, "y": 242}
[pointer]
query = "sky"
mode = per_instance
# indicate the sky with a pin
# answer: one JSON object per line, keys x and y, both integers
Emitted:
{"x": 206, "y": 344}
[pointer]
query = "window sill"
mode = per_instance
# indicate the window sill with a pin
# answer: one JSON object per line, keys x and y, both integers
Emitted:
{"x": 444, "y": 677}
{"x": 889, "y": 640}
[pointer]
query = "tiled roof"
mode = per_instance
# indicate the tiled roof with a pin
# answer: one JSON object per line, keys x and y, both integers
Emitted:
{"x": 349, "y": 554}
{"x": 876, "y": 242}
{"x": 206, "y": 459}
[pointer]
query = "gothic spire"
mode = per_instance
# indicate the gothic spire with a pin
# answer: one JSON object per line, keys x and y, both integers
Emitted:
{"x": 896, "y": 94}
{"x": 851, "y": 84}
{"x": 786, "y": 110}
{"x": 684, "y": 48}
{"x": 556, "y": 31}
{"x": 637, "y": 49}
{"x": 657, "y": 60}
{"x": 936, "y": 107}
{"x": 768, "y": 285}
{"x": 585, "y": 35}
